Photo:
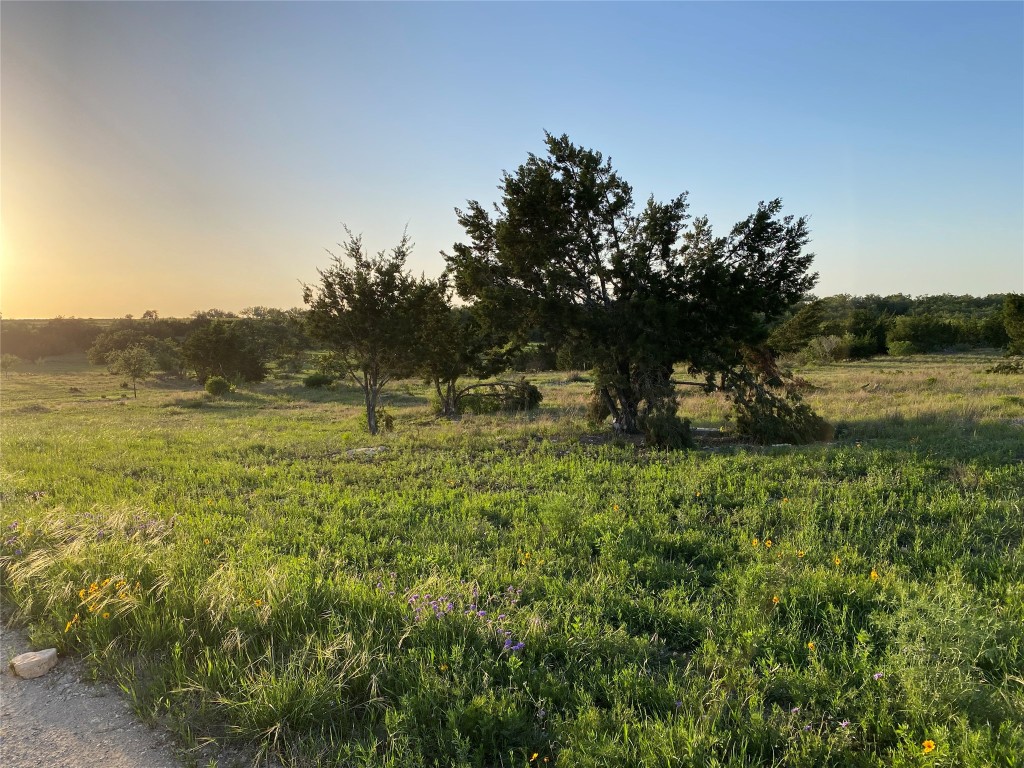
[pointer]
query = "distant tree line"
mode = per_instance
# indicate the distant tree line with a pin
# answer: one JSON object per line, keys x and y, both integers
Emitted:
{"x": 852, "y": 327}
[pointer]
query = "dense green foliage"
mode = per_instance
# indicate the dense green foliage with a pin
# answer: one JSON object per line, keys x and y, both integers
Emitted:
{"x": 217, "y": 386}
{"x": 852, "y": 327}
{"x": 223, "y": 348}
{"x": 258, "y": 571}
{"x": 566, "y": 250}
{"x": 1013, "y": 318}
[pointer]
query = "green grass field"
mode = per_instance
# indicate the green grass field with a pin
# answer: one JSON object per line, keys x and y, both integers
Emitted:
{"x": 517, "y": 591}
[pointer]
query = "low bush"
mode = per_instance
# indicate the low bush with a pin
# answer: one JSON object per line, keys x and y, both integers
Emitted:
{"x": 902, "y": 348}
{"x": 665, "y": 430}
{"x": 318, "y": 380}
{"x": 217, "y": 386}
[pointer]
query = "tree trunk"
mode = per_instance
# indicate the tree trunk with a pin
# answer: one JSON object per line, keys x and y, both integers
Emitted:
{"x": 371, "y": 409}
{"x": 629, "y": 403}
{"x": 135, "y": 390}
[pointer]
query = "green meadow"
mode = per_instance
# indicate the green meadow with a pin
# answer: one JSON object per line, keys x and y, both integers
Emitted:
{"x": 259, "y": 574}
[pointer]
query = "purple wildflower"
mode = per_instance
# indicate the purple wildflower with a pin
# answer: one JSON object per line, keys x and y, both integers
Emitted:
{"x": 844, "y": 724}
{"x": 877, "y": 676}
{"x": 481, "y": 614}
{"x": 17, "y": 551}
{"x": 518, "y": 646}
{"x": 794, "y": 710}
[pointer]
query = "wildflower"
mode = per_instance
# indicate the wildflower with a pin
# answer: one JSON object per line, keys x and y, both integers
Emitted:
{"x": 698, "y": 493}
{"x": 81, "y": 594}
{"x": 800, "y": 553}
{"x": 615, "y": 507}
{"x": 874, "y": 575}
{"x": 533, "y": 757}
{"x": 122, "y": 584}
{"x": 106, "y": 615}
{"x": 836, "y": 560}
{"x": 876, "y": 676}
{"x": 811, "y": 646}
{"x": 775, "y": 600}
{"x": 444, "y": 667}
{"x": 206, "y": 541}
{"x": 754, "y": 543}
{"x": 93, "y": 587}
{"x": 794, "y": 710}
{"x": 768, "y": 543}
{"x": 257, "y": 602}
{"x": 19, "y": 552}
{"x": 785, "y": 500}
{"x": 105, "y": 582}
{"x": 807, "y": 727}
{"x": 928, "y": 746}
{"x": 844, "y": 724}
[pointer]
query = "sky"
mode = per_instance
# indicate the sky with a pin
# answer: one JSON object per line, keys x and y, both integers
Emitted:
{"x": 184, "y": 156}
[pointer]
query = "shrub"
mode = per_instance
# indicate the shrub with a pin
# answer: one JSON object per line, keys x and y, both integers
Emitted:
{"x": 318, "y": 380}
{"x": 664, "y": 429}
{"x": 217, "y": 386}
{"x": 771, "y": 415}
{"x": 902, "y": 348}
{"x": 1010, "y": 365}
{"x": 597, "y": 409}
{"x": 825, "y": 349}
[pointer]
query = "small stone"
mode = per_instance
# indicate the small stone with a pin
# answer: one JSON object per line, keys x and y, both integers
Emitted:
{"x": 34, "y": 663}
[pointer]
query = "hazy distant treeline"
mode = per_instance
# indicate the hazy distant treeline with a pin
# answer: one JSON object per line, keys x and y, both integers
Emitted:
{"x": 835, "y": 327}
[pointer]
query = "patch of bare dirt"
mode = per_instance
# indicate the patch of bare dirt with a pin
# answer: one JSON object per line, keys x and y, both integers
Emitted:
{"x": 60, "y": 721}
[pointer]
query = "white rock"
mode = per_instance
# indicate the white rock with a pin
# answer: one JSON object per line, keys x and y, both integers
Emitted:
{"x": 34, "y": 663}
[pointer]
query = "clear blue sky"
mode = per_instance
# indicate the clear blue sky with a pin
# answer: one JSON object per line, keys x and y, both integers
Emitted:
{"x": 178, "y": 156}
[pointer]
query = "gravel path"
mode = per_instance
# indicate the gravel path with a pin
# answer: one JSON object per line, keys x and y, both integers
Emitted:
{"x": 59, "y": 721}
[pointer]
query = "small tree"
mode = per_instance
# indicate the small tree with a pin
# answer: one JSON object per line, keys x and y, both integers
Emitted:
{"x": 135, "y": 363}
{"x": 7, "y": 363}
{"x": 366, "y": 308}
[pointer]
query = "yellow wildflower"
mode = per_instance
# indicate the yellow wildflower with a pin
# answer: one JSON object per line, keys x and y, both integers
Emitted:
{"x": 874, "y": 575}
{"x": 257, "y": 602}
{"x": 800, "y": 553}
{"x": 775, "y": 600}
{"x": 836, "y": 560}
{"x": 106, "y": 615}
{"x": 81, "y": 594}
{"x": 93, "y": 587}
{"x": 105, "y": 582}
{"x": 206, "y": 541}
{"x": 811, "y": 646}
{"x": 768, "y": 543}
{"x": 928, "y": 746}
{"x": 755, "y": 543}
{"x": 533, "y": 756}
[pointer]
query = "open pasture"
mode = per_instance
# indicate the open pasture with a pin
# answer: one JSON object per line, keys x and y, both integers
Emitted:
{"x": 513, "y": 590}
